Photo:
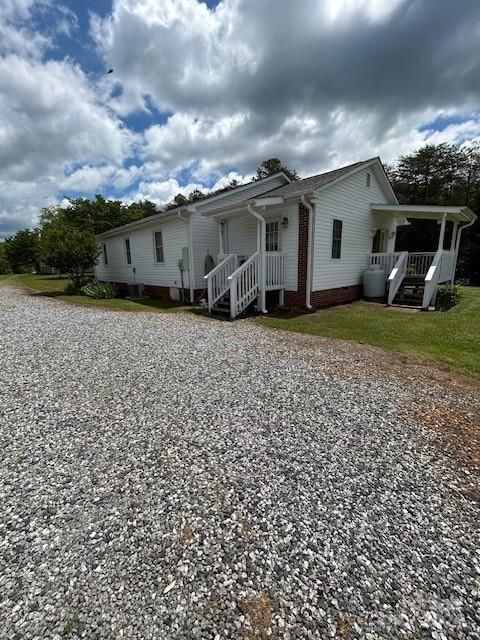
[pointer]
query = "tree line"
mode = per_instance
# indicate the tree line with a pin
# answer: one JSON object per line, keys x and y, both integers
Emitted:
{"x": 434, "y": 174}
{"x": 65, "y": 239}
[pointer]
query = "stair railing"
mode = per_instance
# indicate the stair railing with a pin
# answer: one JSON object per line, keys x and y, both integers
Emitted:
{"x": 396, "y": 276}
{"x": 244, "y": 285}
{"x": 217, "y": 279}
{"x": 431, "y": 279}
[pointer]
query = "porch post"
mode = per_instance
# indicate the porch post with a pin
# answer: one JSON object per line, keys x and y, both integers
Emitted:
{"x": 442, "y": 232}
{"x": 263, "y": 264}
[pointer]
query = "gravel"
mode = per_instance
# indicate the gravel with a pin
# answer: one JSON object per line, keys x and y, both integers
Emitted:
{"x": 167, "y": 476}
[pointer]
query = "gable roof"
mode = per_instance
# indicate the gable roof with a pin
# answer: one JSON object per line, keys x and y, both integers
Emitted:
{"x": 322, "y": 180}
{"x": 225, "y": 194}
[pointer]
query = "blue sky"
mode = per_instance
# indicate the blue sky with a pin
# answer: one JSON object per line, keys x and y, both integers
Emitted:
{"x": 203, "y": 92}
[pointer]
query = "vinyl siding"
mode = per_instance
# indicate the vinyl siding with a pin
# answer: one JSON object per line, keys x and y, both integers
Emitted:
{"x": 148, "y": 271}
{"x": 242, "y": 238}
{"x": 204, "y": 239}
{"x": 348, "y": 201}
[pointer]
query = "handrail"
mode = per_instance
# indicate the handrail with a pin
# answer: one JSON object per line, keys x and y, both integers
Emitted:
{"x": 396, "y": 276}
{"x": 217, "y": 279}
{"x": 244, "y": 285}
{"x": 431, "y": 279}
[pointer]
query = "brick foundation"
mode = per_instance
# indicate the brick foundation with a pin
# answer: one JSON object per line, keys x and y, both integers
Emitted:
{"x": 329, "y": 297}
{"x": 158, "y": 292}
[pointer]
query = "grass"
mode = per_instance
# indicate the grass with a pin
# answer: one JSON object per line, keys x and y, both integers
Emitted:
{"x": 54, "y": 285}
{"x": 451, "y": 337}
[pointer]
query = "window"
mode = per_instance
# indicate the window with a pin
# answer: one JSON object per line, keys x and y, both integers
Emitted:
{"x": 105, "y": 256}
{"x": 369, "y": 179}
{"x": 158, "y": 246}
{"x": 272, "y": 238}
{"x": 337, "y": 239}
{"x": 127, "y": 251}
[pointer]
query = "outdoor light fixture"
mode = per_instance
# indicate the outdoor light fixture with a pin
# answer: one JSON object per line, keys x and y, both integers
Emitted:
{"x": 284, "y": 223}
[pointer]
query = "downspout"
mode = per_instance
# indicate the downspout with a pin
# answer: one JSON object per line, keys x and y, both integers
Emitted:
{"x": 191, "y": 271}
{"x": 308, "y": 284}
{"x": 457, "y": 248}
{"x": 262, "y": 251}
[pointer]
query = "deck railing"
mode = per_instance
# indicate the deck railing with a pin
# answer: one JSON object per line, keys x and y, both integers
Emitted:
{"x": 275, "y": 278}
{"x": 217, "y": 279}
{"x": 244, "y": 285}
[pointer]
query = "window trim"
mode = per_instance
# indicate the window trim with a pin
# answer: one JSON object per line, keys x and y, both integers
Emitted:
{"x": 105, "y": 254}
{"x": 332, "y": 257}
{"x": 155, "y": 255}
{"x": 128, "y": 251}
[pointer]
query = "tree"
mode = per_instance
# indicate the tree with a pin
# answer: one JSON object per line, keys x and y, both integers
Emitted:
{"x": 68, "y": 249}
{"x": 97, "y": 215}
{"x": 274, "y": 165}
{"x": 440, "y": 174}
{"x": 4, "y": 263}
{"x": 21, "y": 250}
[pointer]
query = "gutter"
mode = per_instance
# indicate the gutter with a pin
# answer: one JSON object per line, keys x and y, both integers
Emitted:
{"x": 262, "y": 252}
{"x": 311, "y": 228}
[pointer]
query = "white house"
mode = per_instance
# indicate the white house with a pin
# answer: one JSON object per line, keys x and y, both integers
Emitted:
{"x": 302, "y": 244}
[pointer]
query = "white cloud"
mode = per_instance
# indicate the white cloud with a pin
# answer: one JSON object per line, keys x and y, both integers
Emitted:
{"x": 318, "y": 84}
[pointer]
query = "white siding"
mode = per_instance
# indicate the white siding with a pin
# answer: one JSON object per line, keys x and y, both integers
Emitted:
{"x": 148, "y": 271}
{"x": 348, "y": 201}
{"x": 204, "y": 239}
{"x": 242, "y": 238}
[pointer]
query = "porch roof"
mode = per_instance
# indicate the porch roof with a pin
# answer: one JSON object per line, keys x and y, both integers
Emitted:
{"x": 426, "y": 211}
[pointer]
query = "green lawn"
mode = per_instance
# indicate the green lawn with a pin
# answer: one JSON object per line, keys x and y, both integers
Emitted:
{"x": 53, "y": 286}
{"x": 451, "y": 337}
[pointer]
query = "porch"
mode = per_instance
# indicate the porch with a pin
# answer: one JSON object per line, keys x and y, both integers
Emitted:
{"x": 255, "y": 254}
{"x": 235, "y": 283}
{"x": 412, "y": 278}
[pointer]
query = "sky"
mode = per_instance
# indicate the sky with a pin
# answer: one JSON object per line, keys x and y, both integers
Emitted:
{"x": 204, "y": 92}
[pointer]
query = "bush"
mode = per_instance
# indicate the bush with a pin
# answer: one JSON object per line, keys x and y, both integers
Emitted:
{"x": 99, "y": 290}
{"x": 446, "y": 298}
{"x": 72, "y": 289}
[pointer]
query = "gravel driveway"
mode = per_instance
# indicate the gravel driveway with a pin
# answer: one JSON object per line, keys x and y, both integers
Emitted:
{"x": 165, "y": 476}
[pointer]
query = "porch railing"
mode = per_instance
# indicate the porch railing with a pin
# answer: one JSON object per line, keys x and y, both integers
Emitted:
{"x": 386, "y": 261}
{"x": 275, "y": 277}
{"x": 441, "y": 270}
{"x": 419, "y": 263}
{"x": 396, "y": 276}
{"x": 217, "y": 279}
{"x": 244, "y": 285}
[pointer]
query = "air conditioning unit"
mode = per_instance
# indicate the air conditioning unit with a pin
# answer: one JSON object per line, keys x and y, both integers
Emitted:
{"x": 135, "y": 290}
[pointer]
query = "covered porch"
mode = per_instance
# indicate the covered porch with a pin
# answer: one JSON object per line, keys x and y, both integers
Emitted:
{"x": 250, "y": 262}
{"x": 420, "y": 273}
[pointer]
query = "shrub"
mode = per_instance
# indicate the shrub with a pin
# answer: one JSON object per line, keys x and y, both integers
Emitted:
{"x": 72, "y": 288}
{"x": 446, "y": 298}
{"x": 99, "y": 290}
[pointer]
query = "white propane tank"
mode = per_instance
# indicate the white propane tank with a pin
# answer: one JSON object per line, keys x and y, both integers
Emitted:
{"x": 374, "y": 282}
